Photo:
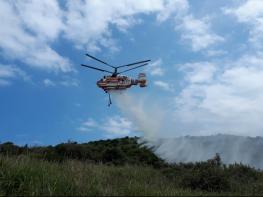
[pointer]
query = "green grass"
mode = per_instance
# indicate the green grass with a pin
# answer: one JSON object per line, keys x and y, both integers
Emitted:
{"x": 30, "y": 177}
{"x": 118, "y": 167}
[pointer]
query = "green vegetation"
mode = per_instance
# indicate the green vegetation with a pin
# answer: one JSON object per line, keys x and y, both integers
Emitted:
{"x": 117, "y": 151}
{"x": 24, "y": 176}
{"x": 116, "y": 167}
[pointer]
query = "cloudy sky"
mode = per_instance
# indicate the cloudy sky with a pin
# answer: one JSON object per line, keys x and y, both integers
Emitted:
{"x": 206, "y": 69}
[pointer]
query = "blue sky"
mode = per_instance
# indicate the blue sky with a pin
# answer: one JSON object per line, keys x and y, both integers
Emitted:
{"x": 205, "y": 77}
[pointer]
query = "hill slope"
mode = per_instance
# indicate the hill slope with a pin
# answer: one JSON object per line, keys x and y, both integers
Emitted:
{"x": 117, "y": 167}
{"x": 116, "y": 151}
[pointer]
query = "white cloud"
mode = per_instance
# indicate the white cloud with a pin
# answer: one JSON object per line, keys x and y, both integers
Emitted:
{"x": 198, "y": 32}
{"x": 247, "y": 11}
{"x": 199, "y": 72}
{"x": 163, "y": 85}
{"x": 155, "y": 68}
{"x": 90, "y": 123}
{"x": 27, "y": 28}
{"x": 44, "y": 18}
{"x": 88, "y": 22}
{"x": 227, "y": 100}
{"x": 8, "y": 73}
{"x": 67, "y": 82}
{"x": 115, "y": 126}
{"x": 118, "y": 126}
{"x": 250, "y": 12}
{"x": 48, "y": 82}
{"x": 173, "y": 7}
{"x": 213, "y": 53}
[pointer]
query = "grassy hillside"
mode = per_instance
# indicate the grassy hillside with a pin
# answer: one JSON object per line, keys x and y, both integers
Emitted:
{"x": 24, "y": 176}
{"x": 117, "y": 151}
{"x": 116, "y": 167}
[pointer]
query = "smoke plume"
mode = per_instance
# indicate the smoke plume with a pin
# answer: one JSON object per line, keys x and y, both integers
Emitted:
{"x": 174, "y": 142}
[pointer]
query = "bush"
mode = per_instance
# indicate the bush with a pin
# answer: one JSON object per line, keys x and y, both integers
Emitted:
{"x": 113, "y": 155}
{"x": 206, "y": 176}
{"x": 9, "y": 148}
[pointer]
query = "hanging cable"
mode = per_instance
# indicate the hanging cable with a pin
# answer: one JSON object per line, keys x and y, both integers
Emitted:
{"x": 109, "y": 100}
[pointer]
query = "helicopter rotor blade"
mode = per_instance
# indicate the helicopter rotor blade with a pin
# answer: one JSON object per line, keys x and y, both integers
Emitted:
{"x": 134, "y": 63}
{"x": 99, "y": 60}
{"x": 96, "y": 68}
{"x": 132, "y": 68}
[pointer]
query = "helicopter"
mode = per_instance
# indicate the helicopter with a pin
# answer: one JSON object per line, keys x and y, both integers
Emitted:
{"x": 115, "y": 81}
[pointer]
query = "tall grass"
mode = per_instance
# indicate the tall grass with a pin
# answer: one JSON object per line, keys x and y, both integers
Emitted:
{"x": 30, "y": 177}
{"x": 119, "y": 167}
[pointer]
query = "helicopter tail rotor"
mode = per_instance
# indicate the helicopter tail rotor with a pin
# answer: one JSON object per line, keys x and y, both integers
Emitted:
{"x": 142, "y": 80}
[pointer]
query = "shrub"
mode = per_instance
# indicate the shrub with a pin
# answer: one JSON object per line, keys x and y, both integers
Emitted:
{"x": 113, "y": 155}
